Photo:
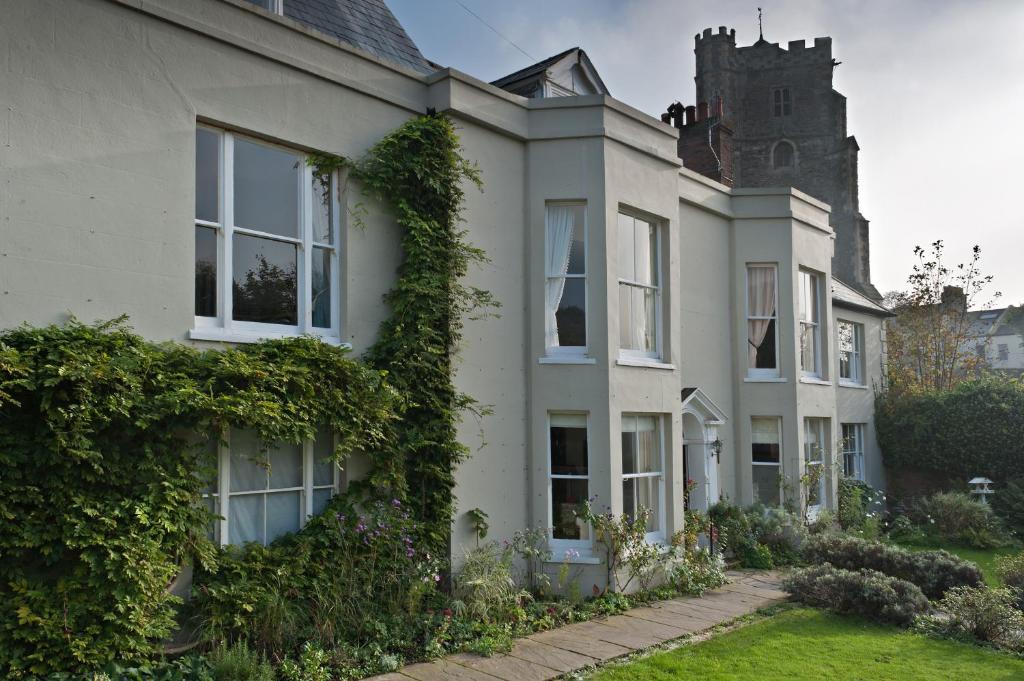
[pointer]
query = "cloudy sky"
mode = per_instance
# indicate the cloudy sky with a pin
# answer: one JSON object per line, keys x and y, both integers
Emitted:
{"x": 935, "y": 95}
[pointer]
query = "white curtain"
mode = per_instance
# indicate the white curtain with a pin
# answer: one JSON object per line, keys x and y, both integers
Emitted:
{"x": 558, "y": 244}
{"x": 760, "y": 303}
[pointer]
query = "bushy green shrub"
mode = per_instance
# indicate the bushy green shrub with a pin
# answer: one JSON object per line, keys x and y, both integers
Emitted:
{"x": 779, "y": 530}
{"x": 935, "y": 572}
{"x": 239, "y": 662}
{"x": 932, "y": 431}
{"x": 981, "y": 614}
{"x": 311, "y": 666}
{"x": 956, "y": 517}
{"x": 1011, "y": 571}
{"x": 1008, "y": 504}
{"x": 188, "y": 668}
{"x": 698, "y": 571}
{"x": 867, "y": 593}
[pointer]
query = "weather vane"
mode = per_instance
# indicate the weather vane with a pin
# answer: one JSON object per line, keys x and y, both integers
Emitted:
{"x": 760, "y": 26}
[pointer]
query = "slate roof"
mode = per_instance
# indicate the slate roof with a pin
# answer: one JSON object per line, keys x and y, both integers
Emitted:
{"x": 845, "y": 295}
{"x": 366, "y": 24}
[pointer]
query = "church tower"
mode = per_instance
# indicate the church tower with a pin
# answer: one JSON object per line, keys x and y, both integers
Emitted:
{"x": 769, "y": 117}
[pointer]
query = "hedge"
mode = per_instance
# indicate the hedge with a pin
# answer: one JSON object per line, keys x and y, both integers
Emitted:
{"x": 975, "y": 429}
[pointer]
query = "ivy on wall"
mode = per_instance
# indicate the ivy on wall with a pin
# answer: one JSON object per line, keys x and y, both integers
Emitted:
{"x": 103, "y": 434}
{"x": 418, "y": 171}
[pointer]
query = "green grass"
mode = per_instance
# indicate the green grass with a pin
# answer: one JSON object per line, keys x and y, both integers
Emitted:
{"x": 985, "y": 558}
{"x": 814, "y": 645}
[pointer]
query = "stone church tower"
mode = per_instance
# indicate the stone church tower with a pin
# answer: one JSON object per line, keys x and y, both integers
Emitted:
{"x": 768, "y": 117}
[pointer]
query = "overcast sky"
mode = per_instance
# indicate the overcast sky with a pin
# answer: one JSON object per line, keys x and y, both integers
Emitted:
{"x": 935, "y": 96}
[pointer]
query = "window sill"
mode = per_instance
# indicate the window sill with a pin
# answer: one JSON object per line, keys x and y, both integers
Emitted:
{"x": 814, "y": 381}
{"x": 858, "y": 386}
{"x": 645, "y": 363}
{"x": 755, "y": 379}
{"x": 566, "y": 359}
{"x": 582, "y": 559}
{"x": 222, "y": 336}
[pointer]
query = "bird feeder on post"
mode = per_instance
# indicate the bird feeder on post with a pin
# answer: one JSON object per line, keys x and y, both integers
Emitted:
{"x": 981, "y": 488}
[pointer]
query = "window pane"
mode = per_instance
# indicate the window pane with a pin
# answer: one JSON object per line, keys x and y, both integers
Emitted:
{"x": 648, "y": 445}
{"x": 627, "y": 248}
{"x": 207, "y": 175}
{"x": 646, "y": 253}
{"x": 629, "y": 452}
{"x": 320, "y": 499}
{"x": 764, "y": 354}
{"x": 568, "y": 451}
{"x": 323, "y": 208}
{"x": 808, "y": 349}
{"x": 766, "y": 485}
{"x": 625, "y": 317}
{"x": 637, "y": 318}
{"x": 264, "y": 281}
{"x": 266, "y": 188}
{"x": 286, "y": 466}
{"x": 283, "y": 510}
{"x": 206, "y": 272}
{"x": 321, "y": 303}
{"x": 814, "y": 442}
{"x": 572, "y": 314}
{"x": 577, "y": 252}
{"x": 642, "y": 493}
{"x": 566, "y": 497}
{"x": 765, "y": 440}
{"x": 246, "y": 519}
{"x": 246, "y": 472}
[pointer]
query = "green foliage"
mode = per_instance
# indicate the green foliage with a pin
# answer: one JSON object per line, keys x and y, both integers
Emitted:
{"x": 779, "y": 530}
{"x": 868, "y": 593}
{"x": 101, "y": 437}
{"x": 957, "y": 518}
{"x": 485, "y": 588}
{"x": 629, "y": 557}
{"x": 478, "y": 521}
{"x": 935, "y": 572}
{"x": 188, "y": 668}
{"x": 977, "y": 428}
{"x": 418, "y": 171}
{"x": 312, "y": 665}
{"x": 239, "y": 662}
{"x": 1010, "y": 570}
{"x": 348, "y": 579}
{"x": 698, "y": 571}
{"x": 980, "y": 614}
{"x": 1008, "y": 504}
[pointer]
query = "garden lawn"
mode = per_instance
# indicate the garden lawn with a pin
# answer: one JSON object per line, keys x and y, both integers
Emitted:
{"x": 815, "y": 645}
{"x": 985, "y": 558}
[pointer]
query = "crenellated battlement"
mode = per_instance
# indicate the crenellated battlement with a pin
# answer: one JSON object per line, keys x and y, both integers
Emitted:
{"x": 795, "y": 49}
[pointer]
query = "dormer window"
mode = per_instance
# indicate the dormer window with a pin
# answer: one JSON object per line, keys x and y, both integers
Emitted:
{"x": 275, "y": 6}
{"x": 782, "y": 103}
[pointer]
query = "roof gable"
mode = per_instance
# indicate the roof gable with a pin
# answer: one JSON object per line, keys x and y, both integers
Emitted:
{"x": 565, "y": 74}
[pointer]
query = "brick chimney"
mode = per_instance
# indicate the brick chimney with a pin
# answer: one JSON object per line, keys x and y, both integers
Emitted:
{"x": 705, "y": 141}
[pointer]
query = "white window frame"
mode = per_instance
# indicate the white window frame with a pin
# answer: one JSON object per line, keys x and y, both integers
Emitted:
{"x": 776, "y": 466}
{"x": 222, "y": 326}
{"x": 629, "y": 353}
{"x": 856, "y": 362}
{"x": 753, "y": 372}
{"x": 571, "y": 350}
{"x": 814, "y": 324}
{"x": 853, "y": 450}
{"x": 558, "y": 547}
{"x": 657, "y": 536}
{"x": 223, "y": 495}
{"x": 821, "y": 424}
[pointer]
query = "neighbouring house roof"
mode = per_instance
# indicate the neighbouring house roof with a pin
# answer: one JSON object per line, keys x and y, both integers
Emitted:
{"x": 844, "y": 295}
{"x": 366, "y": 24}
{"x": 566, "y": 73}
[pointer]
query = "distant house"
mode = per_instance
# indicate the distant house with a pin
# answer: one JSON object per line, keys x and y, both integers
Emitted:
{"x": 997, "y": 335}
{"x": 656, "y": 325}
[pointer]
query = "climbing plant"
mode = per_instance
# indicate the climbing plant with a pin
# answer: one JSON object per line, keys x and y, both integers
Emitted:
{"x": 419, "y": 172}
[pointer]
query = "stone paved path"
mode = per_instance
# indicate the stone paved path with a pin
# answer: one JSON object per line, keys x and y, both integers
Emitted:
{"x": 549, "y": 654}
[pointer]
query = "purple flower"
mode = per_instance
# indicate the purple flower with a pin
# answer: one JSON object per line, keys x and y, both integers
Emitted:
{"x": 396, "y": 503}
{"x": 409, "y": 553}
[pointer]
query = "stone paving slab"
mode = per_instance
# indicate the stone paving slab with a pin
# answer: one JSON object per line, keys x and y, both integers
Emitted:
{"x": 549, "y": 654}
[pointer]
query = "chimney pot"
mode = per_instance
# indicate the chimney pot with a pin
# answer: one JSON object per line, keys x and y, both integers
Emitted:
{"x": 691, "y": 114}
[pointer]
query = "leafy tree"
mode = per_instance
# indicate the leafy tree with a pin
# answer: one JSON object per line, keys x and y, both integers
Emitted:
{"x": 931, "y": 344}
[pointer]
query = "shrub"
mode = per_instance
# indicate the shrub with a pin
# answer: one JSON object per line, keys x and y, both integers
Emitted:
{"x": 484, "y": 586}
{"x": 952, "y": 516}
{"x": 935, "y": 572}
{"x": 982, "y": 614}
{"x": 864, "y": 592}
{"x": 699, "y": 570}
{"x": 855, "y": 499}
{"x": 1008, "y": 504}
{"x": 312, "y": 666}
{"x": 931, "y": 431}
{"x": 779, "y": 530}
{"x": 628, "y": 555}
{"x": 239, "y": 662}
{"x": 1011, "y": 571}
